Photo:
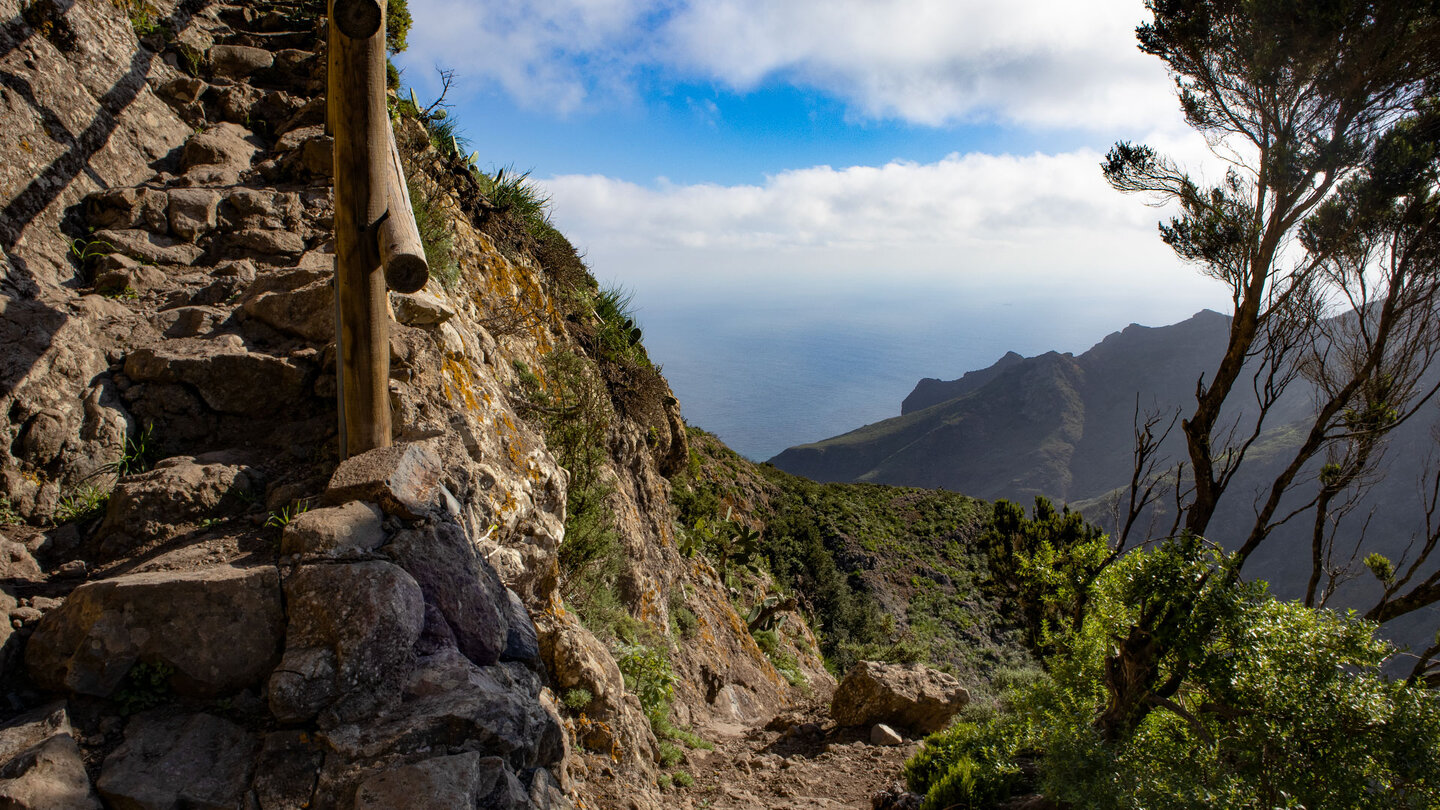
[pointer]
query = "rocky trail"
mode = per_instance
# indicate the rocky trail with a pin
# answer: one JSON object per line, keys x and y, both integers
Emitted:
{"x": 207, "y": 607}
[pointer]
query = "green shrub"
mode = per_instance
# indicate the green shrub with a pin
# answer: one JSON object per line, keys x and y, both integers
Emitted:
{"x": 8, "y": 515}
{"x": 683, "y": 779}
{"x": 432, "y": 223}
{"x": 397, "y": 25}
{"x": 577, "y": 699}
{"x": 648, "y": 676}
{"x": 513, "y": 193}
{"x": 670, "y": 754}
{"x": 1241, "y": 701}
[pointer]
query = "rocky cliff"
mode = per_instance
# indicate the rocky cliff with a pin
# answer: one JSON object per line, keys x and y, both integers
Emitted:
{"x": 207, "y": 608}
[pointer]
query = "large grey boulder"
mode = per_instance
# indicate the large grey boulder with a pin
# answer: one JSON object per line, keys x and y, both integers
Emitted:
{"x": 914, "y": 696}
{"x": 461, "y": 781}
{"x": 219, "y": 629}
{"x": 299, "y": 301}
{"x": 40, "y": 764}
{"x": 404, "y": 479}
{"x": 179, "y": 761}
{"x": 460, "y": 584}
{"x": 448, "y": 702}
{"x": 348, "y": 646}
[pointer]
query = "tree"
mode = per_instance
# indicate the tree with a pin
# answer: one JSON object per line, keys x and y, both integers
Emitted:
{"x": 1325, "y": 231}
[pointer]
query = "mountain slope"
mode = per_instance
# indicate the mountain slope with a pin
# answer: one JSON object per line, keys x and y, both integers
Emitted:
{"x": 1056, "y": 424}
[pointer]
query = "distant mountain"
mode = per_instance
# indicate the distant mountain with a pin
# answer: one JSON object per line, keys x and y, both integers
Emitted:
{"x": 1056, "y": 425}
{"x": 1061, "y": 426}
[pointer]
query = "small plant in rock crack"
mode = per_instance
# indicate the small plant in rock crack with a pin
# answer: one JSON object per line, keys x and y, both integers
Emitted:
{"x": 8, "y": 515}
{"x": 88, "y": 251}
{"x": 577, "y": 699}
{"x": 146, "y": 686}
{"x": 138, "y": 454}
{"x": 280, "y": 518}
{"x": 83, "y": 502}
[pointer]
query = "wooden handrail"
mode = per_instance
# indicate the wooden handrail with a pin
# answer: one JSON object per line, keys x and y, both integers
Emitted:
{"x": 375, "y": 234}
{"x": 401, "y": 250}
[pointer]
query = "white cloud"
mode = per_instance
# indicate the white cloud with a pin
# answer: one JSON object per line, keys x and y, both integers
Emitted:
{"x": 1040, "y": 216}
{"x": 1052, "y": 63}
{"x": 1042, "y": 62}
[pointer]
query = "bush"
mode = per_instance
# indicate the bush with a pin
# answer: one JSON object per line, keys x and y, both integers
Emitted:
{"x": 397, "y": 25}
{"x": 1245, "y": 701}
{"x": 648, "y": 676}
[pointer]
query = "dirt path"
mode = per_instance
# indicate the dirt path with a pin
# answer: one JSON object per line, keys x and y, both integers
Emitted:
{"x": 796, "y": 763}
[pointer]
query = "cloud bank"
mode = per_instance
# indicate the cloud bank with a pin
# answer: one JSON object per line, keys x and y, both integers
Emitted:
{"x": 1007, "y": 221}
{"x": 1049, "y": 63}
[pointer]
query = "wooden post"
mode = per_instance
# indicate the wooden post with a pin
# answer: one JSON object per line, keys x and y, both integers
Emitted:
{"x": 361, "y": 128}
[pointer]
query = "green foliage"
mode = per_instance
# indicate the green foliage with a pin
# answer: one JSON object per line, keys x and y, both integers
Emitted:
{"x": 684, "y": 624}
{"x": 1042, "y": 566}
{"x": 139, "y": 454}
{"x": 146, "y": 686}
{"x": 83, "y": 503}
{"x": 1229, "y": 698}
{"x": 617, "y": 338}
{"x": 280, "y": 518}
{"x": 397, "y": 25}
{"x": 649, "y": 677}
{"x": 8, "y": 515}
{"x": 513, "y": 193}
{"x": 577, "y": 699}
{"x": 392, "y": 76}
{"x": 780, "y": 658}
{"x": 683, "y": 779}
{"x": 435, "y": 237}
{"x": 670, "y": 754}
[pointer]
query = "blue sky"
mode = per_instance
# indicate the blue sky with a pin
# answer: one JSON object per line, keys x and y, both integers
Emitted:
{"x": 914, "y": 183}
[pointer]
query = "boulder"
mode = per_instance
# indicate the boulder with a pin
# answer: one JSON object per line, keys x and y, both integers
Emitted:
{"x": 286, "y": 770}
{"x": 334, "y": 531}
{"x": 219, "y": 630}
{"x": 126, "y": 208}
{"x": 521, "y": 641}
{"x": 179, "y": 490}
{"x": 193, "y": 212}
{"x": 460, "y": 584}
{"x": 183, "y": 760}
{"x": 404, "y": 479}
{"x": 266, "y": 242}
{"x": 229, "y": 147}
{"x": 912, "y": 696}
{"x": 16, "y": 563}
{"x": 420, "y": 309}
{"x": 301, "y": 302}
{"x": 228, "y": 378}
{"x": 459, "y": 781}
{"x": 348, "y": 646}
{"x": 449, "y": 701}
{"x": 40, "y": 764}
{"x": 239, "y": 61}
{"x": 881, "y": 734}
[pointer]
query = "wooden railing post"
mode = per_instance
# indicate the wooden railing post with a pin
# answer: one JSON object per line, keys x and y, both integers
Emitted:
{"x": 374, "y": 224}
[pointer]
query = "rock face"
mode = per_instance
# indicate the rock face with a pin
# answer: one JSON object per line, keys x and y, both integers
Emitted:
{"x": 307, "y": 632}
{"x": 219, "y": 630}
{"x": 911, "y": 696}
